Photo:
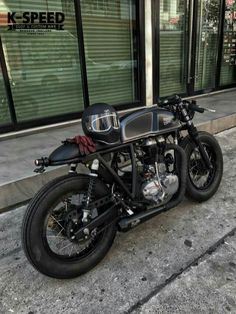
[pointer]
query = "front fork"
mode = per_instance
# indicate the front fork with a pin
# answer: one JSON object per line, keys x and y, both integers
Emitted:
{"x": 193, "y": 133}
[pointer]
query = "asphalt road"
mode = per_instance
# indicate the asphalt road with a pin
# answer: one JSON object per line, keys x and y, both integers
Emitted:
{"x": 183, "y": 261}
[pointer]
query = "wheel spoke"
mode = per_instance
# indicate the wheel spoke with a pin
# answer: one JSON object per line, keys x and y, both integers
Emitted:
{"x": 71, "y": 250}
{"x": 55, "y": 236}
{"x": 57, "y": 222}
{"x": 60, "y": 232}
{"x": 68, "y": 245}
{"x": 61, "y": 227}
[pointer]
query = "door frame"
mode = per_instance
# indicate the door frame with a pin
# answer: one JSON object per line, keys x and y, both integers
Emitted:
{"x": 192, "y": 45}
{"x": 219, "y": 52}
{"x": 156, "y": 51}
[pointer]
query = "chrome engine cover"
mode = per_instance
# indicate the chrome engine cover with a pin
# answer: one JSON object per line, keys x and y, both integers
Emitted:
{"x": 162, "y": 189}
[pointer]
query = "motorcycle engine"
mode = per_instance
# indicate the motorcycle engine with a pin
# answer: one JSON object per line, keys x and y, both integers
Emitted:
{"x": 157, "y": 180}
{"x": 160, "y": 187}
{"x": 159, "y": 184}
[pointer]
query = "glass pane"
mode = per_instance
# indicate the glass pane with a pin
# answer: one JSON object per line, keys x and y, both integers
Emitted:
{"x": 43, "y": 64}
{"x": 4, "y": 109}
{"x": 207, "y": 44}
{"x": 228, "y": 65}
{"x": 110, "y": 48}
{"x": 173, "y": 34}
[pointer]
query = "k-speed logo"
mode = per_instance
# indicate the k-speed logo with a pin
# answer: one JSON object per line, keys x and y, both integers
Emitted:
{"x": 35, "y": 20}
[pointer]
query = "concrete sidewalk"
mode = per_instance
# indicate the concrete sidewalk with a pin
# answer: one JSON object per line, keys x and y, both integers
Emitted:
{"x": 180, "y": 262}
{"x": 18, "y": 182}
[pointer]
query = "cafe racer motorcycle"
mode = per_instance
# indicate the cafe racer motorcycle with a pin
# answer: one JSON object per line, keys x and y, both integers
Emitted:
{"x": 121, "y": 173}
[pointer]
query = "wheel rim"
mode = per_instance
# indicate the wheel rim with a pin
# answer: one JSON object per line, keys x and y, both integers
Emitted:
{"x": 60, "y": 226}
{"x": 200, "y": 177}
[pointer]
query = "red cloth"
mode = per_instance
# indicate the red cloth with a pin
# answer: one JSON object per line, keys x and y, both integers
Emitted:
{"x": 85, "y": 143}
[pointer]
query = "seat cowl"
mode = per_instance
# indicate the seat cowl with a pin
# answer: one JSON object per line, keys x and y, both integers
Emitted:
{"x": 67, "y": 151}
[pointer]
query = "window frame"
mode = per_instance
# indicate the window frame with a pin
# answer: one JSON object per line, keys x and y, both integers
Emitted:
{"x": 7, "y": 85}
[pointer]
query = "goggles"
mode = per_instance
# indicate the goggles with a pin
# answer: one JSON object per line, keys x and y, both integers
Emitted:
{"x": 102, "y": 122}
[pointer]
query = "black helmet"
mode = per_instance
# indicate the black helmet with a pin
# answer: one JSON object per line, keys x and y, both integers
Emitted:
{"x": 101, "y": 123}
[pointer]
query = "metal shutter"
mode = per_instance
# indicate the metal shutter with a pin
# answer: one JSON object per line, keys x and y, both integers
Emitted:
{"x": 109, "y": 47}
{"x": 44, "y": 67}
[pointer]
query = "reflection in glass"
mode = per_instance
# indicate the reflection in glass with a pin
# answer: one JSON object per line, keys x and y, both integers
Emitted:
{"x": 207, "y": 44}
{"x": 228, "y": 64}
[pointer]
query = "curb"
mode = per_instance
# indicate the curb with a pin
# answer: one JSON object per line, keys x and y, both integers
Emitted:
{"x": 218, "y": 125}
{"x": 21, "y": 191}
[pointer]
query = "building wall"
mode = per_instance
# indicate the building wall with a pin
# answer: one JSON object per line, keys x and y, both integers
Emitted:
{"x": 127, "y": 53}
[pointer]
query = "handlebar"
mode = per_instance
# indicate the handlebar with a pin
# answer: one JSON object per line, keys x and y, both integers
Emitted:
{"x": 194, "y": 107}
{"x": 176, "y": 101}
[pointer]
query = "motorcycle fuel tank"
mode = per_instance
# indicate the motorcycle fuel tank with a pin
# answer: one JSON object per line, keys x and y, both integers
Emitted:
{"x": 147, "y": 122}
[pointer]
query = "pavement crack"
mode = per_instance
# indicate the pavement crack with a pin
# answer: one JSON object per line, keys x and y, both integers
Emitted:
{"x": 174, "y": 276}
{"x": 12, "y": 252}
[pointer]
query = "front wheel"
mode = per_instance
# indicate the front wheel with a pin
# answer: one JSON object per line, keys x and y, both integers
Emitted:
{"x": 202, "y": 183}
{"x": 53, "y": 216}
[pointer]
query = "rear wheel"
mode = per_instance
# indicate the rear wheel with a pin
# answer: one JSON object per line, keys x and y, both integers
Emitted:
{"x": 49, "y": 225}
{"x": 202, "y": 183}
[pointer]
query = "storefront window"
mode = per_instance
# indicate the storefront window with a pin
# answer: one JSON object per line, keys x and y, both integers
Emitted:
{"x": 111, "y": 50}
{"x": 42, "y": 58}
{"x": 4, "y": 111}
{"x": 172, "y": 47}
{"x": 228, "y": 64}
{"x": 207, "y": 44}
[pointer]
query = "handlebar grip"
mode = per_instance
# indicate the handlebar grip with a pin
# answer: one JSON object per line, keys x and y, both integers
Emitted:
{"x": 196, "y": 108}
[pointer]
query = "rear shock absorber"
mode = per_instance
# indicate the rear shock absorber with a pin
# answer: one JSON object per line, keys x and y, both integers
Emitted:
{"x": 88, "y": 198}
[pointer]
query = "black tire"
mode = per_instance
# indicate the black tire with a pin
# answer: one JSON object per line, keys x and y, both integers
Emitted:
{"x": 204, "y": 193}
{"x": 33, "y": 241}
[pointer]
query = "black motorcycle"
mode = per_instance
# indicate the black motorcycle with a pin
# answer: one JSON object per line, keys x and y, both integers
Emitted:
{"x": 130, "y": 169}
